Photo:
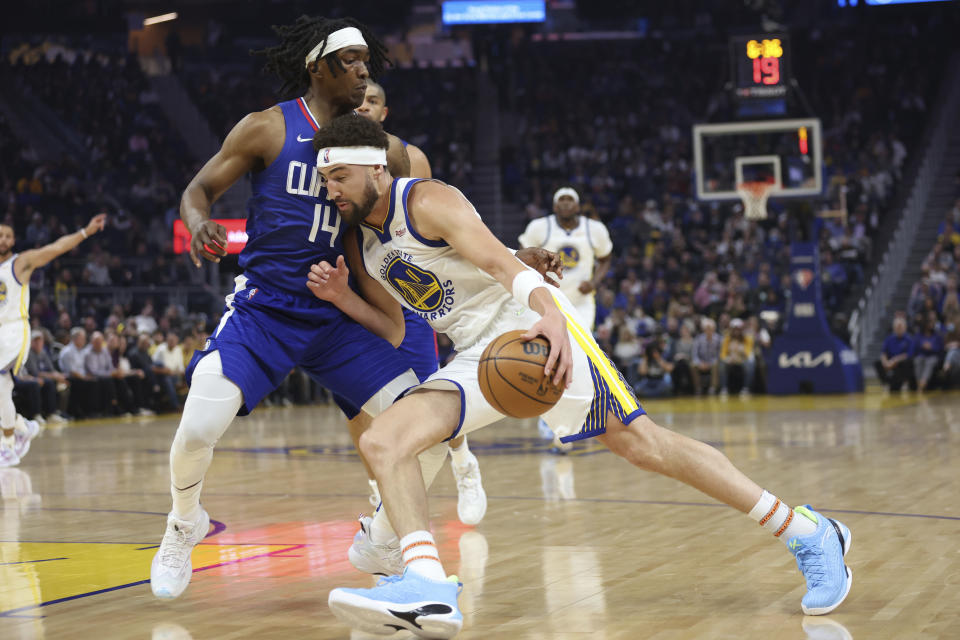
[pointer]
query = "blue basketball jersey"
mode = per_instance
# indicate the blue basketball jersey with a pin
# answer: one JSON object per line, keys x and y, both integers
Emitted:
{"x": 290, "y": 222}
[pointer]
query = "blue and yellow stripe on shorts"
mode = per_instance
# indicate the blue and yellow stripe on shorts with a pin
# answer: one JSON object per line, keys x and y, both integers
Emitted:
{"x": 611, "y": 391}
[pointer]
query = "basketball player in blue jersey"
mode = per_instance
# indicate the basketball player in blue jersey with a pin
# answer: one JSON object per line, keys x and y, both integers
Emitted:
{"x": 486, "y": 292}
{"x": 420, "y": 346}
{"x": 272, "y": 322}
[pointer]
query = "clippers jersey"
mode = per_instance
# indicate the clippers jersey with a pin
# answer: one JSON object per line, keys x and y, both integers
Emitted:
{"x": 290, "y": 222}
{"x": 14, "y": 317}
{"x": 428, "y": 276}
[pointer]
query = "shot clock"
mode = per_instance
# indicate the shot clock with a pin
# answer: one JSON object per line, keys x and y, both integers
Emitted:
{"x": 760, "y": 70}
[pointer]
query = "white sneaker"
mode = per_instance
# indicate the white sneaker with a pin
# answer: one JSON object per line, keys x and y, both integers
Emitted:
{"x": 40, "y": 420}
{"x": 57, "y": 418}
{"x": 546, "y": 433}
{"x": 378, "y": 559}
{"x": 8, "y": 452}
{"x": 24, "y": 432}
{"x": 143, "y": 411}
{"x": 472, "y": 500}
{"x": 171, "y": 568}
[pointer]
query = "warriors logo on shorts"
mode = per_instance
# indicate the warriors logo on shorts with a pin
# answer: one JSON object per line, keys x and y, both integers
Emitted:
{"x": 3, "y": 293}
{"x": 419, "y": 288}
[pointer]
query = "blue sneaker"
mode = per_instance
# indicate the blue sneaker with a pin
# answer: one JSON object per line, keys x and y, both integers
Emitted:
{"x": 820, "y": 560}
{"x": 410, "y": 601}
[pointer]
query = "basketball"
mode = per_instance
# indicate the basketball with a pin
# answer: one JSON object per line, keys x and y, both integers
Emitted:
{"x": 512, "y": 379}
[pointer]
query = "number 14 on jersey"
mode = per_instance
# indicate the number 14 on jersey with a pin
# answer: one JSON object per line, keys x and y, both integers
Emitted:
{"x": 322, "y": 215}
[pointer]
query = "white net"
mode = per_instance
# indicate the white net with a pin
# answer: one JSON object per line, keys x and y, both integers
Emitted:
{"x": 754, "y": 196}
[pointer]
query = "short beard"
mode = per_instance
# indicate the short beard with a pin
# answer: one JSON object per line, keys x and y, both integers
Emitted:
{"x": 362, "y": 209}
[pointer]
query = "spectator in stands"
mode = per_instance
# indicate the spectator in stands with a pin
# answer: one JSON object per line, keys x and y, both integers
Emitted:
{"x": 949, "y": 230}
{"x": 654, "y": 371}
{"x": 146, "y": 323}
{"x": 130, "y": 381}
{"x": 928, "y": 350}
{"x": 681, "y": 356}
{"x": 114, "y": 396}
{"x": 39, "y": 367}
{"x": 168, "y": 367}
{"x": 951, "y": 359}
{"x": 627, "y": 348}
{"x": 84, "y": 392}
{"x": 706, "y": 358}
{"x": 138, "y": 355}
{"x": 895, "y": 365}
{"x": 736, "y": 359}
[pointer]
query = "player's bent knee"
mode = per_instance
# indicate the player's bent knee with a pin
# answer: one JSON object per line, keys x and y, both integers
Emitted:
{"x": 375, "y": 448}
{"x": 639, "y": 443}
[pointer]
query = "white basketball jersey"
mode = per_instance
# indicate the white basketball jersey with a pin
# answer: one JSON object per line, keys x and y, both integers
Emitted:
{"x": 429, "y": 277}
{"x": 14, "y": 314}
{"x": 14, "y": 297}
{"x": 579, "y": 247}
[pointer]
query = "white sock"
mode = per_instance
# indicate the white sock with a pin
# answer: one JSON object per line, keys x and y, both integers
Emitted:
{"x": 8, "y": 441}
{"x": 381, "y": 531}
{"x": 374, "y": 489}
{"x": 461, "y": 455}
{"x": 420, "y": 555}
{"x": 778, "y": 518}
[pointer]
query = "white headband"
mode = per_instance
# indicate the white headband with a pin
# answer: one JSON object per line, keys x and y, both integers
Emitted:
{"x": 346, "y": 37}
{"x": 351, "y": 155}
{"x": 566, "y": 191}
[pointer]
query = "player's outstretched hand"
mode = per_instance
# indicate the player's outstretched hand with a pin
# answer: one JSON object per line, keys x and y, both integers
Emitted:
{"x": 327, "y": 282}
{"x": 543, "y": 261}
{"x": 553, "y": 327}
{"x": 96, "y": 224}
{"x": 209, "y": 240}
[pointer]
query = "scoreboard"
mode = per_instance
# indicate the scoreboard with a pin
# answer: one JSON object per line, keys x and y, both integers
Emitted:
{"x": 760, "y": 65}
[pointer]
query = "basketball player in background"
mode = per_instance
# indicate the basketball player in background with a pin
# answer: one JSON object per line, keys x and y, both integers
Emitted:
{"x": 272, "y": 323}
{"x": 585, "y": 246}
{"x": 486, "y": 291}
{"x": 15, "y": 272}
{"x": 420, "y": 346}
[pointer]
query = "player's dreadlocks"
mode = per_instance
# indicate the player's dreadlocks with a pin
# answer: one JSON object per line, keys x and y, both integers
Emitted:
{"x": 286, "y": 59}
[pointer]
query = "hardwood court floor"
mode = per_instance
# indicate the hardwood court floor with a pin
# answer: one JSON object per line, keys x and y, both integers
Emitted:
{"x": 578, "y": 546}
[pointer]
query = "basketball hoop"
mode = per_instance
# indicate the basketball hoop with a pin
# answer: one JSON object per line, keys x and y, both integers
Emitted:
{"x": 754, "y": 195}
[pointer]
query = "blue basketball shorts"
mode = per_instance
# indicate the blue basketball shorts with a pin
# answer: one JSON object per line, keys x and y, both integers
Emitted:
{"x": 418, "y": 350}
{"x": 264, "y": 334}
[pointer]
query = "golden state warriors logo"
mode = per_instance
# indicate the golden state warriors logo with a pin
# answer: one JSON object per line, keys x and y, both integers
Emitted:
{"x": 570, "y": 255}
{"x": 419, "y": 288}
{"x": 3, "y": 293}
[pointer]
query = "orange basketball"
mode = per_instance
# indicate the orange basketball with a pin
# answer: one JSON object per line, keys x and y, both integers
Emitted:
{"x": 512, "y": 379}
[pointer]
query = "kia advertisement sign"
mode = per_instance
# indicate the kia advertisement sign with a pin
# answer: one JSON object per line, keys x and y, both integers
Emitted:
{"x": 807, "y": 357}
{"x": 236, "y": 235}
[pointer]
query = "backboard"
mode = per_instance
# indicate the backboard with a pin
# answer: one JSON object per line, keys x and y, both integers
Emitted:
{"x": 786, "y": 153}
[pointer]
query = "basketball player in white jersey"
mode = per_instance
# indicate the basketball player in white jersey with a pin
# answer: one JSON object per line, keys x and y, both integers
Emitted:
{"x": 471, "y": 498}
{"x": 15, "y": 272}
{"x": 421, "y": 244}
{"x": 585, "y": 247}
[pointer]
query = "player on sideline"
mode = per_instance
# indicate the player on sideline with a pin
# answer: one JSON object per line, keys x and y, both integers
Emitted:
{"x": 271, "y": 322}
{"x": 15, "y": 272}
{"x": 485, "y": 292}
{"x": 585, "y": 247}
{"x": 420, "y": 347}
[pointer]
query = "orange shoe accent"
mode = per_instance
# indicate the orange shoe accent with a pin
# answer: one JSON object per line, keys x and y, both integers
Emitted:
{"x": 764, "y": 519}
{"x": 786, "y": 523}
{"x": 417, "y": 544}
